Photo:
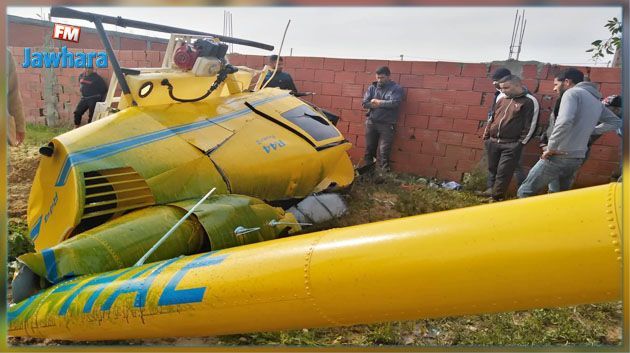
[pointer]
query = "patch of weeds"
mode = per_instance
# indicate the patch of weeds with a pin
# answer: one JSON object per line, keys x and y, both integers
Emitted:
{"x": 39, "y": 135}
{"x": 18, "y": 240}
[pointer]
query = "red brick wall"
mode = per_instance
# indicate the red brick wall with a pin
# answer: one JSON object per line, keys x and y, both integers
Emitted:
{"x": 439, "y": 129}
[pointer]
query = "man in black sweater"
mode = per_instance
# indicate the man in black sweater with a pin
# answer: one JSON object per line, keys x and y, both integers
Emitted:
{"x": 93, "y": 89}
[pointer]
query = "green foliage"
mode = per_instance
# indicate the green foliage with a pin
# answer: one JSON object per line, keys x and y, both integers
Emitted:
{"x": 18, "y": 241}
{"x": 602, "y": 47}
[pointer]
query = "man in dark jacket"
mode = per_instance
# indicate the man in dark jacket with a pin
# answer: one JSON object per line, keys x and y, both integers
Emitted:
{"x": 281, "y": 79}
{"x": 93, "y": 89}
{"x": 382, "y": 100}
{"x": 513, "y": 124}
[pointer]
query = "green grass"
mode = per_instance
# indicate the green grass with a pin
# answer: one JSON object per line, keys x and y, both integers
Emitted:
{"x": 38, "y": 135}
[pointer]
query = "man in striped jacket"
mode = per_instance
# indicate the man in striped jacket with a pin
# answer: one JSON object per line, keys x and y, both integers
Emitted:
{"x": 514, "y": 122}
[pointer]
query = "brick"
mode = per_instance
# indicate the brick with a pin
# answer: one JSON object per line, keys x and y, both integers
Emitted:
{"x": 468, "y": 98}
{"x": 439, "y": 123}
{"x": 256, "y": 61}
{"x": 584, "y": 179}
{"x": 409, "y": 146}
{"x": 234, "y": 59}
{"x": 341, "y": 102}
{"x": 153, "y": 56}
{"x": 353, "y": 116}
{"x": 138, "y": 55}
{"x": 529, "y": 71}
{"x": 546, "y": 87}
{"x": 414, "y": 81}
{"x": 609, "y": 139}
{"x": 304, "y": 74}
{"x": 426, "y": 170}
{"x": 426, "y": 135}
{"x": 294, "y": 62}
{"x": 444, "y": 163}
{"x": 354, "y": 65}
{"x": 313, "y": 63}
{"x": 477, "y": 113}
{"x": 441, "y": 96}
{"x": 352, "y": 90}
{"x": 460, "y": 153}
{"x": 364, "y": 78}
{"x": 333, "y": 64}
{"x": 464, "y": 165}
{"x": 460, "y": 83}
{"x": 423, "y": 68}
{"x": 450, "y": 175}
{"x": 431, "y": 109}
{"x": 310, "y": 86}
{"x": 357, "y": 102}
{"x": 325, "y": 75}
{"x": 608, "y": 89}
{"x": 344, "y": 77}
{"x": 604, "y": 153}
{"x": 455, "y": 111}
{"x": 435, "y": 81}
{"x": 356, "y": 128}
{"x": 372, "y": 65}
{"x": 449, "y": 137}
{"x": 323, "y": 101}
{"x": 400, "y": 67}
{"x": 466, "y": 126}
{"x": 125, "y": 55}
{"x": 474, "y": 70}
{"x": 531, "y": 84}
{"x": 608, "y": 74}
{"x": 483, "y": 85}
{"x": 331, "y": 89}
{"x": 418, "y": 94}
{"x": 409, "y": 107}
{"x": 472, "y": 140}
{"x": 417, "y": 121}
{"x": 433, "y": 148}
{"x": 448, "y": 68}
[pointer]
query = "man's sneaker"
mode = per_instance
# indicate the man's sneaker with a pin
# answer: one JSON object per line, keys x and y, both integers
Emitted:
{"x": 486, "y": 193}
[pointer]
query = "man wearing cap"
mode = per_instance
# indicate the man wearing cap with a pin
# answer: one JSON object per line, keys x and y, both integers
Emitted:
{"x": 580, "y": 115}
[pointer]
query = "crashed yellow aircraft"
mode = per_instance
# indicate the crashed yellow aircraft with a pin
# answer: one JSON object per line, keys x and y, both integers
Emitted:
{"x": 105, "y": 195}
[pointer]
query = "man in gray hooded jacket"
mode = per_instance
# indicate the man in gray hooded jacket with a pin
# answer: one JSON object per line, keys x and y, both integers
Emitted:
{"x": 578, "y": 116}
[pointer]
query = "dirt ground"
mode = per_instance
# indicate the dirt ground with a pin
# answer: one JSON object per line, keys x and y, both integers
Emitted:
{"x": 24, "y": 162}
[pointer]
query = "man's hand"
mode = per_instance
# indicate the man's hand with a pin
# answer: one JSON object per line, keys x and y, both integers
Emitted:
{"x": 19, "y": 137}
{"x": 549, "y": 153}
{"x": 376, "y": 103}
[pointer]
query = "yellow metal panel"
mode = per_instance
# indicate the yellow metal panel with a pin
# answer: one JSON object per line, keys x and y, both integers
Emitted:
{"x": 545, "y": 251}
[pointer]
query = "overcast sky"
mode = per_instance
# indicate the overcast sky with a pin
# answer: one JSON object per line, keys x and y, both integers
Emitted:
{"x": 558, "y": 35}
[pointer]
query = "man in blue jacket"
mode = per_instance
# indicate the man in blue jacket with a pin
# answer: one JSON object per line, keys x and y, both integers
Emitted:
{"x": 382, "y": 100}
{"x": 579, "y": 116}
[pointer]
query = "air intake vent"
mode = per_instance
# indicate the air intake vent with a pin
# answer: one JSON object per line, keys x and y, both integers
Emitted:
{"x": 110, "y": 193}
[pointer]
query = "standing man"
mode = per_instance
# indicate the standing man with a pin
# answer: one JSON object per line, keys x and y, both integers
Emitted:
{"x": 579, "y": 112}
{"x": 281, "y": 79}
{"x": 93, "y": 89}
{"x": 382, "y": 100}
{"x": 16, "y": 122}
{"x": 513, "y": 124}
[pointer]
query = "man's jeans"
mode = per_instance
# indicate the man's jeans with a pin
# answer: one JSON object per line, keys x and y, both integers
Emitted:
{"x": 379, "y": 135}
{"x": 547, "y": 170}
